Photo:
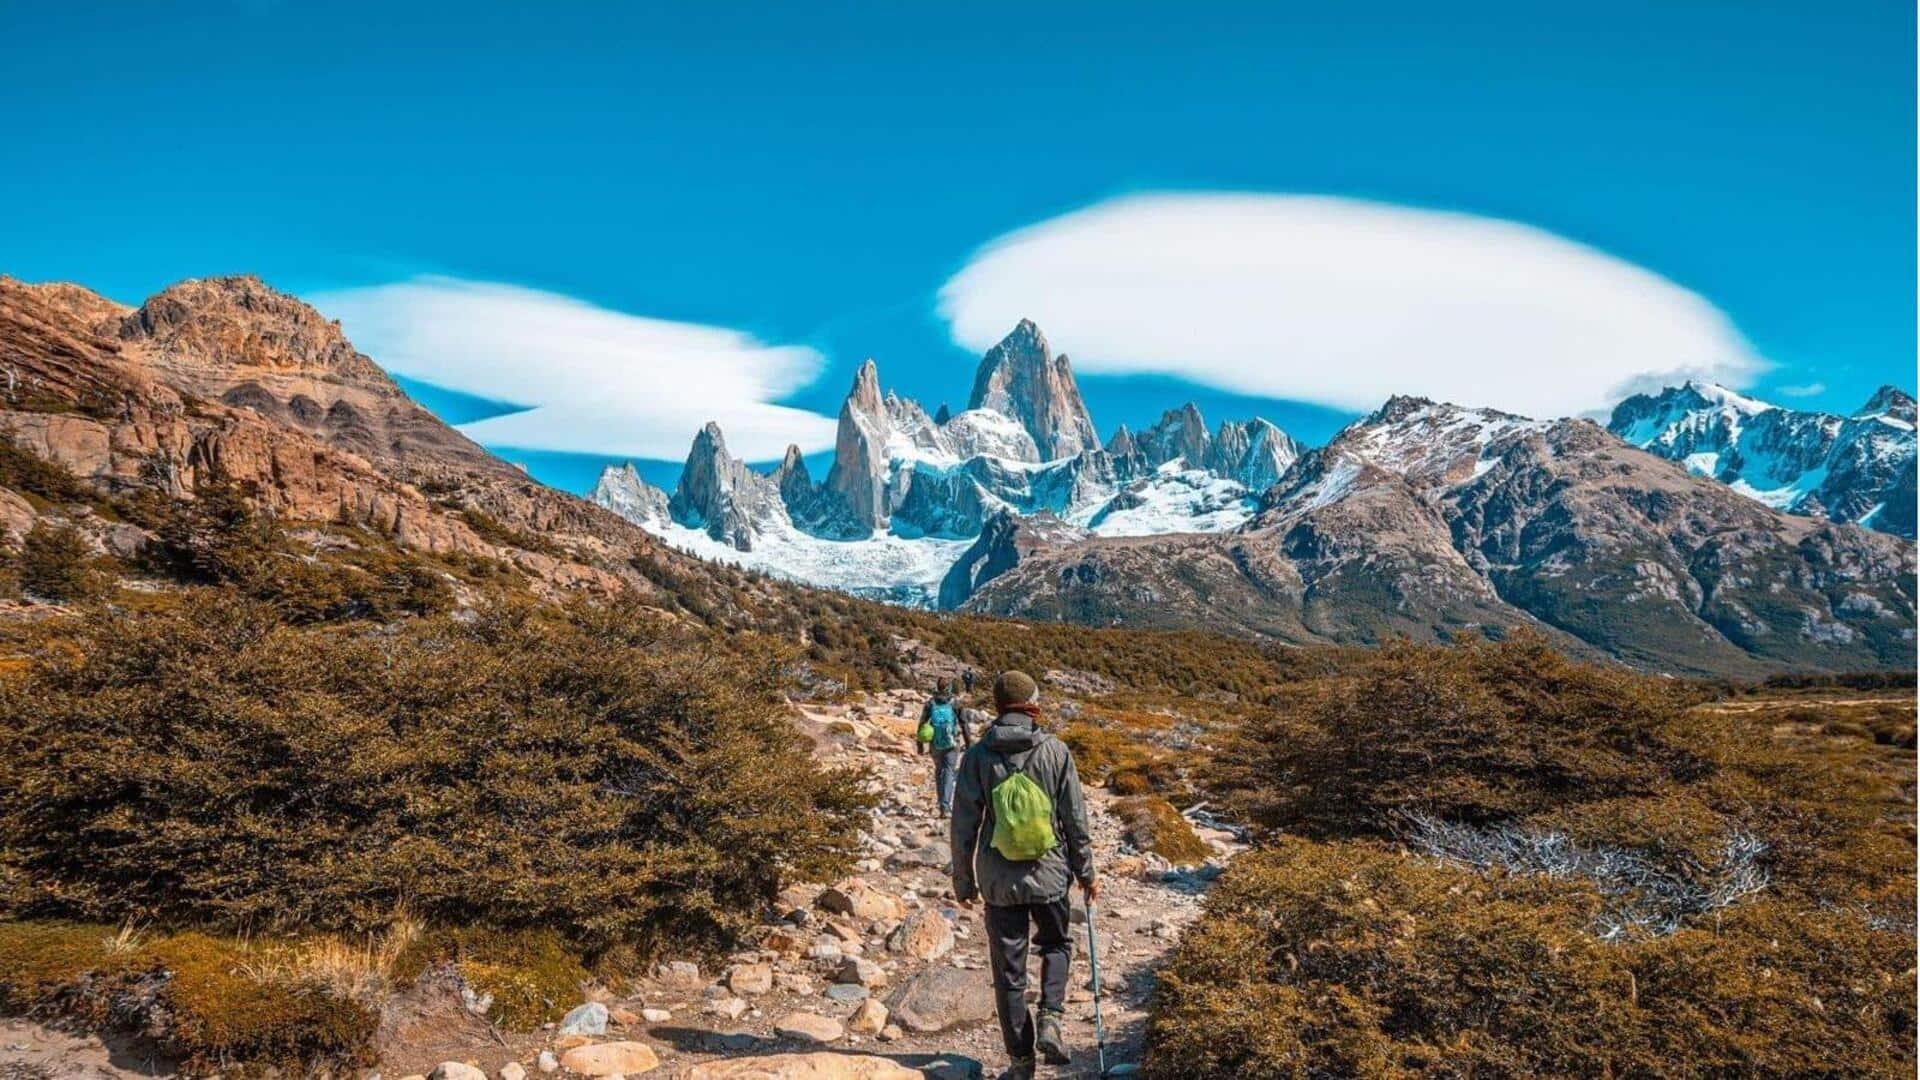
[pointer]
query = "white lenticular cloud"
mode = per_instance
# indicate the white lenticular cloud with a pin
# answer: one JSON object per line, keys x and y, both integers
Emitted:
{"x": 593, "y": 380}
{"x": 1343, "y": 303}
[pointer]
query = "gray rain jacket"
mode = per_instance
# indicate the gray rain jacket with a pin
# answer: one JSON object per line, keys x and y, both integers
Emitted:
{"x": 979, "y": 870}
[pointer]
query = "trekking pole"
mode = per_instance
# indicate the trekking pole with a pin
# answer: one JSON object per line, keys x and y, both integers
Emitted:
{"x": 1093, "y": 962}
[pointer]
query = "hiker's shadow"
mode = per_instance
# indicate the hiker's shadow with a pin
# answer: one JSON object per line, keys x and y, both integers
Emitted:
{"x": 689, "y": 1040}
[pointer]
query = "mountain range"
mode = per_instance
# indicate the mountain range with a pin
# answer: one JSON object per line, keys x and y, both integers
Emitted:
{"x": 1419, "y": 519}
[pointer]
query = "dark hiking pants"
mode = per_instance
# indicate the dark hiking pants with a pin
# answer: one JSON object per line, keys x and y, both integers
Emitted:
{"x": 946, "y": 772}
{"x": 1007, "y": 929}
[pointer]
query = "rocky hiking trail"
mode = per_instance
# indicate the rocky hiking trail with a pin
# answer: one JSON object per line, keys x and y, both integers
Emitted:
{"x": 877, "y": 977}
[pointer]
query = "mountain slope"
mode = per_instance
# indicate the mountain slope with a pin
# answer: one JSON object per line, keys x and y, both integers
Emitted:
{"x": 1857, "y": 468}
{"x": 224, "y": 380}
{"x": 1423, "y": 518}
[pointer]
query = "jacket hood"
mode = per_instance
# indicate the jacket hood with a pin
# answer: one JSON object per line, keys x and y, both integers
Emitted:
{"x": 1012, "y": 733}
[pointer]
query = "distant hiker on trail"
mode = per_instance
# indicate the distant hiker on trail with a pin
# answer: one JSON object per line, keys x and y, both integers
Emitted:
{"x": 1020, "y": 840}
{"x": 943, "y": 734}
{"x": 966, "y": 677}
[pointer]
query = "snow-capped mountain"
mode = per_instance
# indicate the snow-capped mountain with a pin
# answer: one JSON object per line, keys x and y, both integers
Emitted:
{"x": 908, "y": 492}
{"x": 1857, "y": 468}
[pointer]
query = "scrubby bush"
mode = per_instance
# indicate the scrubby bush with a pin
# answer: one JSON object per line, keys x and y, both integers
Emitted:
{"x": 1487, "y": 734}
{"x": 576, "y": 770}
{"x": 1352, "y": 959}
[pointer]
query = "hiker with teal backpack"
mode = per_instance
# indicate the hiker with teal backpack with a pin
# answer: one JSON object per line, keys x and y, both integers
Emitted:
{"x": 943, "y": 735}
{"x": 1020, "y": 841}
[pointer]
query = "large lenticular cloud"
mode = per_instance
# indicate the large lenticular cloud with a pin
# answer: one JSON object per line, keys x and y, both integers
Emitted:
{"x": 593, "y": 380}
{"x": 1343, "y": 303}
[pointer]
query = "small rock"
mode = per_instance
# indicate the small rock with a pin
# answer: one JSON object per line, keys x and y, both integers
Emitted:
{"x": 656, "y": 1016}
{"x": 846, "y": 993}
{"x": 862, "y": 972}
{"x": 546, "y": 1062}
{"x": 809, "y": 1027}
{"x": 611, "y": 1059}
{"x": 732, "y": 1008}
{"x": 751, "y": 979}
{"x": 513, "y": 1070}
{"x": 587, "y": 1019}
{"x": 925, "y": 935}
{"x": 622, "y": 1015}
{"x": 869, "y": 1019}
{"x": 456, "y": 1070}
{"x": 892, "y": 1033}
{"x": 683, "y": 972}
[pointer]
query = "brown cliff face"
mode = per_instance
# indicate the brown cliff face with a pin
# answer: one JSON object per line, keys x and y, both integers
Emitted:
{"x": 226, "y": 380}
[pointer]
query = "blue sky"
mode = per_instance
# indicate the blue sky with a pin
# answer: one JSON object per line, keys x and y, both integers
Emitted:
{"x": 810, "y": 178}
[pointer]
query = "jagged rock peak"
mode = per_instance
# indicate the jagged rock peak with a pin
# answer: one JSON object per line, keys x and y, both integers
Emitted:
{"x": 865, "y": 394}
{"x": 719, "y": 493}
{"x": 1888, "y": 401}
{"x": 240, "y": 321}
{"x": 943, "y": 415}
{"x": 1181, "y": 433}
{"x": 1021, "y": 378}
{"x": 1122, "y": 443}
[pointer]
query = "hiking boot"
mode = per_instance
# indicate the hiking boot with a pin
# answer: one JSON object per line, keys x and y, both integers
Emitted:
{"x": 1021, "y": 1069}
{"x": 1051, "y": 1042}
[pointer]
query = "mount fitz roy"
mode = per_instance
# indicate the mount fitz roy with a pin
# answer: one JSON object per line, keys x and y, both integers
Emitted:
{"x": 1419, "y": 520}
{"x": 907, "y": 491}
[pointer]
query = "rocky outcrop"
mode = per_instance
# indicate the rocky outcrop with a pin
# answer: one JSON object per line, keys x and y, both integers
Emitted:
{"x": 1857, "y": 468}
{"x": 1004, "y": 542}
{"x": 1022, "y": 378}
{"x": 227, "y": 381}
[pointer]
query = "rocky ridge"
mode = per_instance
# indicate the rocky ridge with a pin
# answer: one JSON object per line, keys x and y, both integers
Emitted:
{"x": 1857, "y": 468}
{"x": 1423, "y": 518}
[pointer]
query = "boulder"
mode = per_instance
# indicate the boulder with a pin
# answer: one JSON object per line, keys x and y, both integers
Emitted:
{"x": 940, "y": 998}
{"x": 610, "y": 1059}
{"x": 809, "y": 1027}
{"x": 816, "y": 1066}
{"x": 925, "y": 935}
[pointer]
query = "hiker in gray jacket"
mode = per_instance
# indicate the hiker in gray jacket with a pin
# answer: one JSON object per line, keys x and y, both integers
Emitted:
{"x": 1023, "y": 895}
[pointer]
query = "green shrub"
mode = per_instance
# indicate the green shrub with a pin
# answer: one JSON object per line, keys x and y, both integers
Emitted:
{"x": 1350, "y": 959}
{"x": 209, "y": 765}
{"x": 532, "y": 976}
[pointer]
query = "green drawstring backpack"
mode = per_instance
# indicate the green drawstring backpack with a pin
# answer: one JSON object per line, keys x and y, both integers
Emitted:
{"x": 1022, "y": 818}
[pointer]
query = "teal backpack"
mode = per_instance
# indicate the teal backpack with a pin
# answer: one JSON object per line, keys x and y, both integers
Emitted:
{"x": 941, "y": 719}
